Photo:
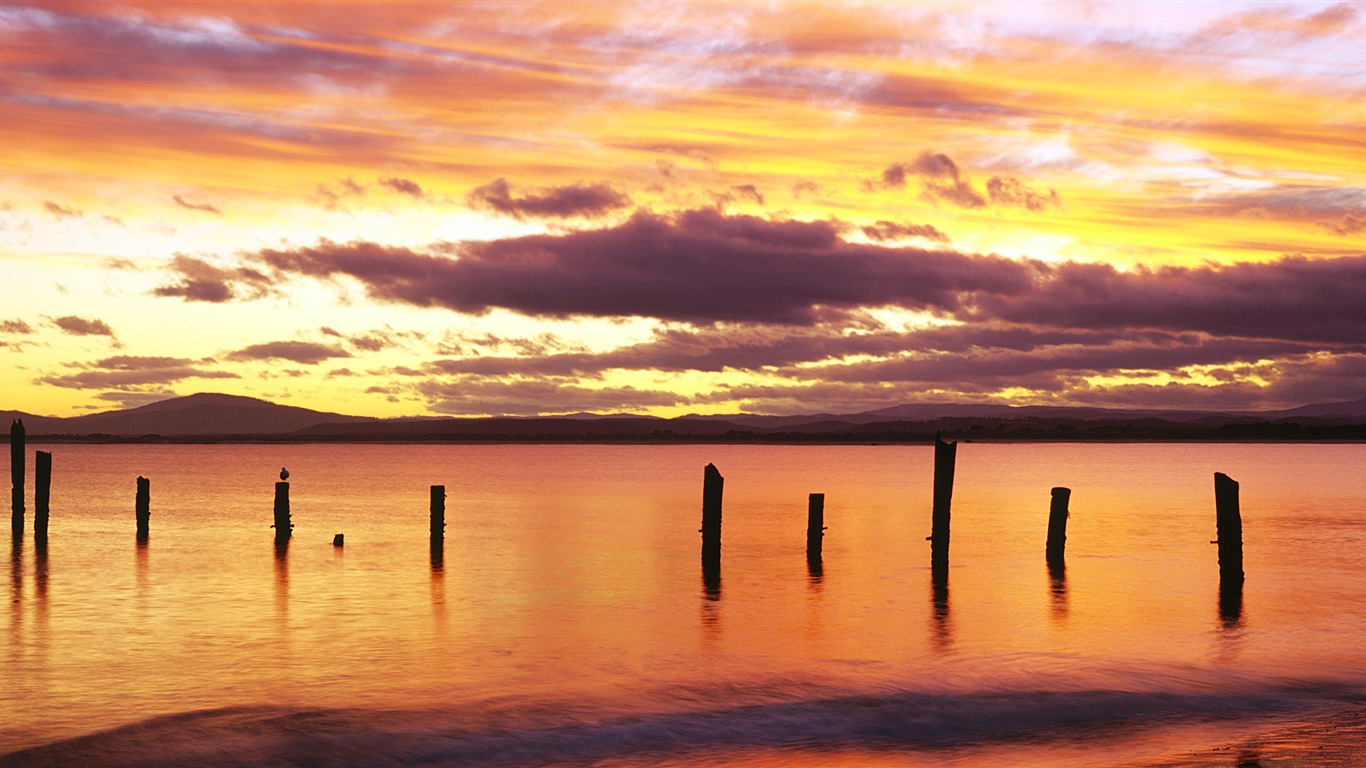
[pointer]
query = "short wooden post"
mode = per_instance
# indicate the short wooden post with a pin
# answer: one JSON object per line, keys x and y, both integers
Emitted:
{"x": 1229, "y": 522}
{"x": 42, "y": 493}
{"x": 283, "y": 527}
{"x": 944, "y": 456}
{"x": 16, "y": 468}
{"x": 712, "y": 484}
{"x": 339, "y": 540}
{"x": 815, "y": 525}
{"x": 142, "y": 507}
{"x": 438, "y": 524}
{"x": 1057, "y": 525}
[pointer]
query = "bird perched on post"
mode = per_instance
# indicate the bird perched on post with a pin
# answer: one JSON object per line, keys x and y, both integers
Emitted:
{"x": 284, "y": 473}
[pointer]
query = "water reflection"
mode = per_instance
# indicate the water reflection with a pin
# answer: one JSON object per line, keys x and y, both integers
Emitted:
{"x": 1231, "y": 603}
{"x": 438, "y": 555}
{"x": 941, "y": 631}
{"x": 40, "y": 574}
{"x": 282, "y": 579}
{"x": 1057, "y": 583}
{"x": 16, "y": 588}
{"x": 815, "y": 571}
{"x": 711, "y": 596}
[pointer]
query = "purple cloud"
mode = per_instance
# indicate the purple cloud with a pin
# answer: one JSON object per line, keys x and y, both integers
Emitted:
{"x": 302, "y": 352}
{"x": 80, "y": 326}
{"x": 575, "y": 200}
{"x": 205, "y": 207}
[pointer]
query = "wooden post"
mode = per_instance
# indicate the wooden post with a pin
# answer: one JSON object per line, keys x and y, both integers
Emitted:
{"x": 283, "y": 527}
{"x": 142, "y": 507}
{"x": 815, "y": 525}
{"x": 42, "y": 493}
{"x": 438, "y": 512}
{"x": 339, "y": 540}
{"x": 16, "y": 468}
{"x": 944, "y": 457}
{"x": 1057, "y": 525}
{"x": 1229, "y": 523}
{"x": 712, "y": 484}
{"x": 438, "y": 524}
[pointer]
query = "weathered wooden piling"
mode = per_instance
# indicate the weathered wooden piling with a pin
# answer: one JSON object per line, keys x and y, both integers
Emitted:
{"x": 1229, "y": 522}
{"x": 142, "y": 507}
{"x": 1057, "y": 525}
{"x": 283, "y": 527}
{"x": 339, "y": 540}
{"x": 438, "y": 526}
{"x": 16, "y": 468}
{"x": 815, "y": 525}
{"x": 944, "y": 457}
{"x": 712, "y": 484}
{"x": 42, "y": 493}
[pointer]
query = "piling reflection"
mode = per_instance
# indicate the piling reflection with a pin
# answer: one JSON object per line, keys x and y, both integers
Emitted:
{"x": 16, "y": 588}
{"x": 1057, "y": 587}
{"x": 282, "y": 578}
{"x": 815, "y": 571}
{"x": 40, "y": 573}
{"x": 1231, "y": 603}
{"x": 711, "y": 595}
{"x": 941, "y": 630}
{"x": 438, "y": 555}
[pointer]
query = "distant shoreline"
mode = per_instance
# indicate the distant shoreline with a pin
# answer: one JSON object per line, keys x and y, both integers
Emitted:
{"x": 746, "y": 439}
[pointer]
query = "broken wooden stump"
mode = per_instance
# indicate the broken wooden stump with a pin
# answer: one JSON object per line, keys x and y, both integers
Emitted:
{"x": 283, "y": 527}
{"x": 142, "y": 507}
{"x": 1229, "y": 522}
{"x": 16, "y": 468}
{"x": 42, "y": 493}
{"x": 712, "y": 485}
{"x": 945, "y": 455}
{"x": 815, "y": 526}
{"x": 1057, "y": 525}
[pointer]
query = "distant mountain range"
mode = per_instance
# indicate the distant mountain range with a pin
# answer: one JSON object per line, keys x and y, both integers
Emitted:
{"x": 231, "y": 417}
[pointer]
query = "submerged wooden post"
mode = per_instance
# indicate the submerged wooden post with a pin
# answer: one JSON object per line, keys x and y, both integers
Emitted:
{"x": 1057, "y": 525}
{"x": 283, "y": 527}
{"x": 1230, "y": 528}
{"x": 815, "y": 525}
{"x": 142, "y": 507}
{"x": 42, "y": 492}
{"x": 944, "y": 457}
{"x": 712, "y": 484}
{"x": 16, "y": 468}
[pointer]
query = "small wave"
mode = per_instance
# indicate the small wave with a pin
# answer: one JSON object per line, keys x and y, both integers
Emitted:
{"x": 896, "y": 721}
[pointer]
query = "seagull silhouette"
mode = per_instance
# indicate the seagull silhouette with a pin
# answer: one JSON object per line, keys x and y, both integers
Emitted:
{"x": 284, "y": 473}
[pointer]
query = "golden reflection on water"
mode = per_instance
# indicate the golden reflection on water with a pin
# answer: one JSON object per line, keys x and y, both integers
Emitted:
{"x": 574, "y": 570}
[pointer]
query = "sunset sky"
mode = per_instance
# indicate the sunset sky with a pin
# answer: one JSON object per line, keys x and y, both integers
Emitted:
{"x": 397, "y": 209}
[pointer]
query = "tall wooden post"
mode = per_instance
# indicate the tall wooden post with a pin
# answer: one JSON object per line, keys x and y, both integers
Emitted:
{"x": 438, "y": 523}
{"x": 712, "y": 484}
{"x": 815, "y": 525}
{"x": 143, "y": 507}
{"x": 16, "y": 468}
{"x": 944, "y": 457}
{"x": 42, "y": 493}
{"x": 1230, "y": 528}
{"x": 1057, "y": 525}
{"x": 283, "y": 527}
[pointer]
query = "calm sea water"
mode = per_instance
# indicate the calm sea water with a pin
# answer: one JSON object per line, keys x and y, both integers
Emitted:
{"x": 569, "y": 621}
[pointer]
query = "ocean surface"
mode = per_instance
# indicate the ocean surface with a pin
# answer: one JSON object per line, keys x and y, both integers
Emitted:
{"x": 568, "y": 620}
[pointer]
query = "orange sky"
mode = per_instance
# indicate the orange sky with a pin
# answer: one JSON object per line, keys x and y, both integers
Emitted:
{"x": 428, "y": 208}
